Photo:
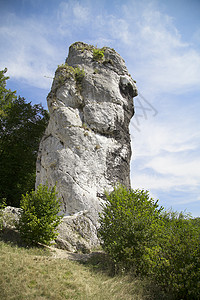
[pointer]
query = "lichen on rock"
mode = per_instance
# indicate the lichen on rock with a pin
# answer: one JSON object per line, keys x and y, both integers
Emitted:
{"x": 86, "y": 147}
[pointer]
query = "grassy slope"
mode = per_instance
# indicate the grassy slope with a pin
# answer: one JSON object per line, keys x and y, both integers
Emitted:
{"x": 34, "y": 274}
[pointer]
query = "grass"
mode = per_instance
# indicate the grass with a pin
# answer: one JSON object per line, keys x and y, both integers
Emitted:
{"x": 31, "y": 273}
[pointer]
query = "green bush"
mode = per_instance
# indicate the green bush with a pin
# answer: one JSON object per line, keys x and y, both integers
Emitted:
{"x": 129, "y": 225}
{"x": 39, "y": 217}
{"x": 98, "y": 54}
{"x": 181, "y": 250}
{"x": 141, "y": 237}
{"x": 79, "y": 75}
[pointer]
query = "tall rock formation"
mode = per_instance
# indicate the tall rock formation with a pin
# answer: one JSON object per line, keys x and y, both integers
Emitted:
{"x": 86, "y": 147}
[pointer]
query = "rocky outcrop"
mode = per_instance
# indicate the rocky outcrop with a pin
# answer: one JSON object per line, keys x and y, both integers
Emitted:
{"x": 10, "y": 217}
{"x": 86, "y": 147}
{"x": 77, "y": 233}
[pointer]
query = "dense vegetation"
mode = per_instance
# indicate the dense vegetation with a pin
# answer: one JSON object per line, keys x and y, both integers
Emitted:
{"x": 142, "y": 238}
{"x": 39, "y": 218}
{"x": 21, "y": 128}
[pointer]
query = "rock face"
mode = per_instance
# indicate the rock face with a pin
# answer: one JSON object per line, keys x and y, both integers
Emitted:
{"x": 86, "y": 146}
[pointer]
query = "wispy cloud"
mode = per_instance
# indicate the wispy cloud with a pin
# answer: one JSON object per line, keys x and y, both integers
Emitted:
{"x": 167, "y": 63}
{"x": 155, "y": 49}
{"x": 26, "y": 51}
{"x": 166, "y": 155}
{"x": 72, "y": 16}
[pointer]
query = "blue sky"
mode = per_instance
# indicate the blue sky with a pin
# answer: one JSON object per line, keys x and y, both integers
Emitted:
{"x": 160, "y": 42}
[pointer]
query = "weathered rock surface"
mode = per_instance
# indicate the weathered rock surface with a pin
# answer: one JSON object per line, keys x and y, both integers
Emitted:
{"x": 77, "y": 233}
{"x": 86, "y": 147}
{"x": 10, "y": 216}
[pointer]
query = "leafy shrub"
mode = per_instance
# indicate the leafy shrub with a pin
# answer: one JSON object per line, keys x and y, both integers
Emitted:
{"x": 129, "y": 225}
{"x": 142, "y": 238}
{"x": 79, "y": 75}
{"x": 98, "y": 54}
{"x": 181, "y": 251}
{"x": 39, "y": 217}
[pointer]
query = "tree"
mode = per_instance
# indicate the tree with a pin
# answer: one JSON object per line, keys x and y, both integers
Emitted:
{"x": 6, "y": 96}
{"x": 39, "y": 217}
{"x": 21, "y": 128}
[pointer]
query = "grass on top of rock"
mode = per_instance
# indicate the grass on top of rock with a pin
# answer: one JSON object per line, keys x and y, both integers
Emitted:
{"x": 98, "y": 54}
{"x": 66, "y": 72}
{"x": 82, "y": 46}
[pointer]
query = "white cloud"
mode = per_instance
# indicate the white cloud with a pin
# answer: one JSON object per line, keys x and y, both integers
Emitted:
{"x": 81, "y": 13}
{"x": 163, "y": 61}
{"x": 156, "y": 52}
{"x": 166, "y": 152}
{"x": 176, "y": 166}
{"x": 27, "y": 52}
{"x": 163, "y": 174}
{"x": 156, "y": 136}
{"x": 72, "y": 17}
{"x": 175, "y": 72}
{"x": 155, "y": 182}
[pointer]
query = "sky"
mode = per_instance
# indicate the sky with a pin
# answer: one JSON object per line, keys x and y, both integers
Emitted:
{"x": 160, "y": 42}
